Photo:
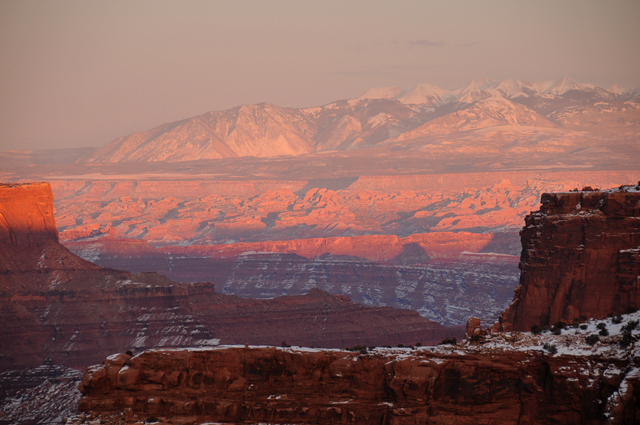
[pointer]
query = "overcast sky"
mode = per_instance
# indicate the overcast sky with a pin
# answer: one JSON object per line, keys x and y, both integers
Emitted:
{"x": 81, "y": 73}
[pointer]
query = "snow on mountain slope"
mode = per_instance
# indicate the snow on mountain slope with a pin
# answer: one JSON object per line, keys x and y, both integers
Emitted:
{"x": 489, "y": 112}
{"x": 563, "y": 85}
{"x": 382, "y": 93}
{"x": 511, "y": 88}
{"x": 632, "y": 95}
{"x": 479, "y": 84}
{"x": 249, "y": 130}
{"x": 382, "y": 114}
{"x": 616, "y": 89}
{"x": 424, "y": 94}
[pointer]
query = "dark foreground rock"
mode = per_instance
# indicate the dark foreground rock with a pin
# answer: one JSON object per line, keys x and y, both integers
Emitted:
{"x": 504, "y": 379}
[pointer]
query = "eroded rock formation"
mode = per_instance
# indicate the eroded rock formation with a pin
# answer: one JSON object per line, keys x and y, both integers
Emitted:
{"x": 26, "y": 215}
{"x": 580, "y": 257}
{"x": 194, "y": 210}
{"x": 464, "y": 385}
{"x": 57, "y": 305}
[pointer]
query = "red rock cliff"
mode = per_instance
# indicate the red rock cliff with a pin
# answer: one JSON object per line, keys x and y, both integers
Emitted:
{"x": 580, "y": 256}
{"x": 26, "y": 214}
{"x": 426, "y": 386}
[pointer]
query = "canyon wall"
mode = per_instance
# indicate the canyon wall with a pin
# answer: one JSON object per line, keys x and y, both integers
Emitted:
{"x": 401, "y": 386}
{"x": 264, "y": 238}
{"x": 434, "y": 275}
{"x": 446, "y": 290}
{"x": 26, "y": 215}
{"x": 580, "y": 256}
{"x": 56, "y": 305}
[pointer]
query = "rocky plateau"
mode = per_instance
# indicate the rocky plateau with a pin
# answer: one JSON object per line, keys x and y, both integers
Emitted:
{"x": 267, "y": 238}
{"x": 512, "y": 378}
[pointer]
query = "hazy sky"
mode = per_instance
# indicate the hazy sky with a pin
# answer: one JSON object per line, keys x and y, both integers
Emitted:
{"x": 81, "y": 73}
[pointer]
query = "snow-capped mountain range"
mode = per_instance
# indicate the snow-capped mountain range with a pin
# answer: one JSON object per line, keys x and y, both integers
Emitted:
{"x": 481, "y": 88}
{"x": 576, "y": 113}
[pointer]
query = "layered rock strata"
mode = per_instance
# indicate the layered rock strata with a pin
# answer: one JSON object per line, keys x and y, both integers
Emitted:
{"x": 582, "y": 249}
{"x": 502, "y": 380}
{"x": 47, "y": 394}
{"x": 580, "y": 257}
{"x": 26, "y": 215}
{"x": 446, "y": 290}
{"x": 57, "y": 305}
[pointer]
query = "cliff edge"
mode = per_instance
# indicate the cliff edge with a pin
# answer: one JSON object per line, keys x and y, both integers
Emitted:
{"x": 26, "y": 215}
{"x": 580, "y": 257}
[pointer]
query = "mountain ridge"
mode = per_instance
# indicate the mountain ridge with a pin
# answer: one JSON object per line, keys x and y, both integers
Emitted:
{"x": 380, "y": 115}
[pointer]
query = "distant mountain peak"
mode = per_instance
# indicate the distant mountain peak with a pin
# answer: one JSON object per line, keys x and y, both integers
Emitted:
{"x": 424, "y": 93}
{"x": 266, "y": 130}
{"x": 383, "y": 93}
{"x": 473, "y": 85}
{"x": 616, "y": 89}
{"x": 564, "y": 85}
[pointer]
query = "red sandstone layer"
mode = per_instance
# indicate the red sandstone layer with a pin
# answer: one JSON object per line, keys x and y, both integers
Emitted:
{"x": 26, "y": 215}
{"x": 271, "y": 385}
{"x": 373, "y": 247}
{"x": 581, "y": 256}
{"x": 176, "y": 212}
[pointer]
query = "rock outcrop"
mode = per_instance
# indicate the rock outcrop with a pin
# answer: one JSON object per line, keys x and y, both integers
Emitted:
{"x": 446, "y": 290}
{"x": 497, "y": 381}
{"x": 195, "y": 210}
{"x": 26, "y": 215}
{"x": 47, "y": 394}
{"x": 580, "y": 257}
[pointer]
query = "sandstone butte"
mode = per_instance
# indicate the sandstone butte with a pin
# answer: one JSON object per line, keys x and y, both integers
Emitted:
{"x": 498, "y": 378}
{"x": 56, "y": 305}
{"x": 580, "y": 257}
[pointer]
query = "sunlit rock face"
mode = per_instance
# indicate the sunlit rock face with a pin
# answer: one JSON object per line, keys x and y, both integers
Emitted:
{"x": 207, "y": 211}
{"x": 383, "y": 240}
{"x": 581, "y": 256}
{"x": 26, "y": 215}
